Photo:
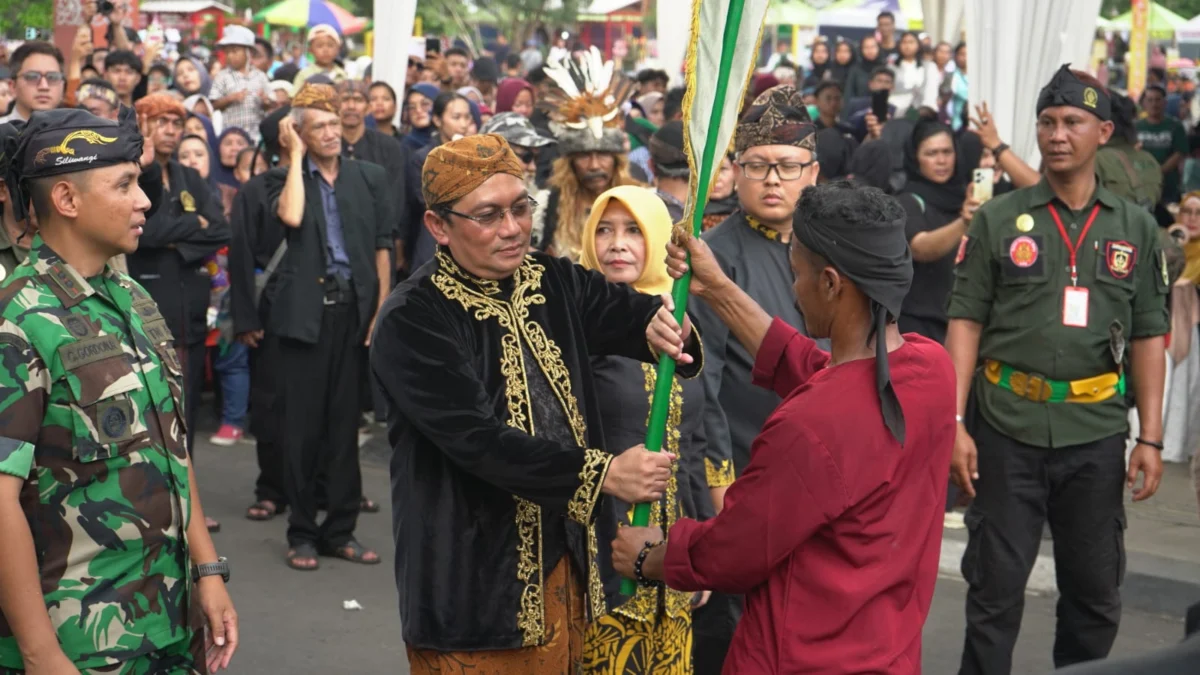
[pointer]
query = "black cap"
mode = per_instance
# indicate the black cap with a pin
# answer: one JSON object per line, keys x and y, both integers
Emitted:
{"x": 666, "y": 149}
{"x": 1065, "y": 88}
{"x": 269, "y": 131}
{"x": 69, "y": 140}
{"x": 485, "y": 70}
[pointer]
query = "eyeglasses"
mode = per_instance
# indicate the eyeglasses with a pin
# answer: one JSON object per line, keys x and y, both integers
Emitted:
{"x": 785, "y": 170}
{"x": 34, "y": 76}
{"x": 526, "y": 156}
{"x": 521, "y": 210}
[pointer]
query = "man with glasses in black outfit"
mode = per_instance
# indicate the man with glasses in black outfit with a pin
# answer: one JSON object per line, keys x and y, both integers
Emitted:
{"x": 38, "y": 81}
{"x": 776, "y": 158}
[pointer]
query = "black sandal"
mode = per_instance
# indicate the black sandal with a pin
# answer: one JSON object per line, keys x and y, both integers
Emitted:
{"x": 268, "y": 507}
{"x": 354, "y": 552}
{"x": 368, "y": 506}
{"x": 303, "y": 552}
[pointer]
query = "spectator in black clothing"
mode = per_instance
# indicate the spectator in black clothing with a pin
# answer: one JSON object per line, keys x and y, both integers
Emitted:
{"x": 939, "y": 208}
{"x": 829, "y": 107}
{"x": 382, "y": 99}
{"x": 369, "y": 145}
{"x": 869, "y": 59}
{"x": 262, "y": 56}
{"x": 843, "y": 62}
{"x": 189, "y": 226}
{"x": 123, "y": 70}
{"x": 820, "y": 65}
{"x": 835, "y": 150}
{"x": 257, "y": 240}
{"x": 882, "y": 79}
{"x": 158, "y": 78}
{"x": 331, "y": 282}
{"x": 651, "y": 79}
{"x": 673, "y": 104}
{"x": 451, "y": 119}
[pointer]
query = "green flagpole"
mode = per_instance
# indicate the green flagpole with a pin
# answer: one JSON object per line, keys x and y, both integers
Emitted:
{"x": 656, "y": 427}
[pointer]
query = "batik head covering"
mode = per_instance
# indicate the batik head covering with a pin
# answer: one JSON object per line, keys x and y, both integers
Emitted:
{"x": 316, "y": 97}
{"x": 66, "y": 140}
{"x": 872, "y": 251}
{"x": 651, "y": 214}
{"x": 777, "y": 117}
{"x": 454, "y": 170}
{"x": 98, "y": 91}
{"x": 1065, "y": 88}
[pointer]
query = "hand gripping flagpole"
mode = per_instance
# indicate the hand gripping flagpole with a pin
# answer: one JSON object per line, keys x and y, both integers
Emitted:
{"x": 656, "y": 427}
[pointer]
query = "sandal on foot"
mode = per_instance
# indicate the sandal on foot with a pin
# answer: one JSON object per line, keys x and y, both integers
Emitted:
{"x": 303, "y": 552}
{"x": 368, "y": 506}
{"x": 264, "y": 509}
{"x": 354, "y": 552}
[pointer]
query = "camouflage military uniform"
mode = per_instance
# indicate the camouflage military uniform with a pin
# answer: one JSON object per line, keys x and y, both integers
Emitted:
{"x": 89, "y": 417}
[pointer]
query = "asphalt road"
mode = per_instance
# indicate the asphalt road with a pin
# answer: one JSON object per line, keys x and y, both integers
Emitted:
{"x": 294, "y": 623}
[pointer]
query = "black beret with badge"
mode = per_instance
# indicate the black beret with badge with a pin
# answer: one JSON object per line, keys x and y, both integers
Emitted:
{"x": 1066, "y": 89}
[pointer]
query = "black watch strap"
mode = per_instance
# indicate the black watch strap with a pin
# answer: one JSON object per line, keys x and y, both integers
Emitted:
{"x": 202, "y": 570}
{"x": 1157, "y": 445}
{"x": 999, "y": 150}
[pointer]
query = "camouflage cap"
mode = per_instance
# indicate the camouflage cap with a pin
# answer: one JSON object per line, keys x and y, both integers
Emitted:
{"x": 517, "y": 130}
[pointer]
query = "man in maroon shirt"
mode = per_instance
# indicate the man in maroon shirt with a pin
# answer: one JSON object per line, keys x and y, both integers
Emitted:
{"x": 834, "y": 530}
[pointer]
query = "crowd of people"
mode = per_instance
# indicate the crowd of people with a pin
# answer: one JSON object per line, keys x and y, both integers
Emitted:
{"x": 480, "y": 259}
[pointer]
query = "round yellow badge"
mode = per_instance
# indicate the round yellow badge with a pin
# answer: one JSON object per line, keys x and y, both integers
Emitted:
{"x": 1024, "y": 222}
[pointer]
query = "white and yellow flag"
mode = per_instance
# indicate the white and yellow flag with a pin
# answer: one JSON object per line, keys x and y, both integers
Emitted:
{"x": 720, "y": 62}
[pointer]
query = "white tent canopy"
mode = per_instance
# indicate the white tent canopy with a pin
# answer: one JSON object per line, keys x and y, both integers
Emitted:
{"x": 1016, "y": 46}
{"x": 1190, "y": 32}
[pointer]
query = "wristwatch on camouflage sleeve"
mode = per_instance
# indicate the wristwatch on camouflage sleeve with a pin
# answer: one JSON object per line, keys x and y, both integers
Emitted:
{"x": 211, "y": 569}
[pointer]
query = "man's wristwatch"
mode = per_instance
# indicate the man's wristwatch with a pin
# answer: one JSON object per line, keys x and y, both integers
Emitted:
{"x": 211, "y": 569}
{"x": 1157, "y": 445}
{"x": 999, "y": 150}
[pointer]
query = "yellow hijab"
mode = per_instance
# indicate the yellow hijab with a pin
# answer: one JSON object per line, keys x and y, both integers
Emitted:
{"x": 1191, "y": 250}
{"x": 651, "y": 214}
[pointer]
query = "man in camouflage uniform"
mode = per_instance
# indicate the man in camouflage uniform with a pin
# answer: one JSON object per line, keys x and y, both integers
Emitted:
{"x": 97, "y": 506}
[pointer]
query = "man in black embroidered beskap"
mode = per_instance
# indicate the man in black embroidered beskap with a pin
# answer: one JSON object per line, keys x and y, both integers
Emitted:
{"x": 498, "y": 466}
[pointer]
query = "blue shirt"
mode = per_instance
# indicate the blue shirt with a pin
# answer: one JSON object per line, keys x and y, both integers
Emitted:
{"x": 337, "y": 260}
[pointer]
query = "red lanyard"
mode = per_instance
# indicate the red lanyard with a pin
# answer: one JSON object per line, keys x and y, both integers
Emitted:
{"x": 1073, "y": 249}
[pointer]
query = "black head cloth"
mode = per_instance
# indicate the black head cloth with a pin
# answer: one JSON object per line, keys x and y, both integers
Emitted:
{"x": 1065, "y": 88}
{"x": 64, "y": 140}
{"x": 860, "y": 232}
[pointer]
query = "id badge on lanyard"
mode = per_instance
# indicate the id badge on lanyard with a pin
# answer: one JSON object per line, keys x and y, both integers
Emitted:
{"x": 1075, "y": 297}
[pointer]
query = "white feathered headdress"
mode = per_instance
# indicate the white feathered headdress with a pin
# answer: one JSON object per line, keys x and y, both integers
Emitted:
{"x": 587, "y": 102}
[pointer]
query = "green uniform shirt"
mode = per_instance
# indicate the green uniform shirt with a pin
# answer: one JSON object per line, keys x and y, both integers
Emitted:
{"x": 1012, "y": 271}
{"x": 1130, "y": 173}
{"x": 90, "y": 418}
{"x": 1162, "y": 140}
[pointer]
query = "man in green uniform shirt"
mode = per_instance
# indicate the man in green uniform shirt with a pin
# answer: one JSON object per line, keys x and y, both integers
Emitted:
{"x": 1166, "y": 139}
{"x": 1058, "y": 312}
{"x": 106, "y": 563}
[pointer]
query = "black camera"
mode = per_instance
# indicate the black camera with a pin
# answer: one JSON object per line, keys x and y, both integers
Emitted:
{"x": 105, "y": 7}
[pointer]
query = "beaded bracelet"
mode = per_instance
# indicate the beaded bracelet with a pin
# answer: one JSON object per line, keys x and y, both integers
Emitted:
{"x": 641, "y": 560}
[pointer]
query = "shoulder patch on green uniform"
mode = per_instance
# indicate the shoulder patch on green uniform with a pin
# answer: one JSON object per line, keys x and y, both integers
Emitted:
{"x": 963, "y": 247}
{"x": 64, "y": 285}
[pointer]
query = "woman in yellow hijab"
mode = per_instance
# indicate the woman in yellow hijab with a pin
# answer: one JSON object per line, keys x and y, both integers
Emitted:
{"x": 625, "y": 239}
{"x": 1189, "y": 218}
